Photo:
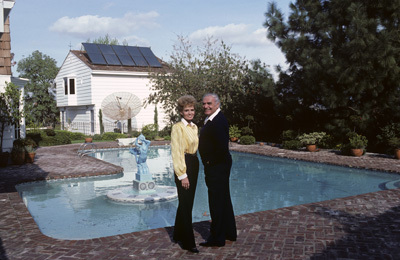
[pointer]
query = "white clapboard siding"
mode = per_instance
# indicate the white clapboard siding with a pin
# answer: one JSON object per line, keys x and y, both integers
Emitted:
{"x": 74, "y": 68}
{"x": 132, "y": 82}
{"x": 92, "y": 86}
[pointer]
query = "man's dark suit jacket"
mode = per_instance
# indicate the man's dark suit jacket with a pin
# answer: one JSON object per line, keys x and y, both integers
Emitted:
{"x": 214, "y": 141}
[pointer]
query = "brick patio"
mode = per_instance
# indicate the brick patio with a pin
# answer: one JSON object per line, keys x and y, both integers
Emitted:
{"x": 359, "y": 227}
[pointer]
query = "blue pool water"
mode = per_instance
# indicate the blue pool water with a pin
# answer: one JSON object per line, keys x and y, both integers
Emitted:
{"x": 79, "y": 208}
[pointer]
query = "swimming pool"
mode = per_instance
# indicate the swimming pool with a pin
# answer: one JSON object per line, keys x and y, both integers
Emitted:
{"x": 79, "y": 209}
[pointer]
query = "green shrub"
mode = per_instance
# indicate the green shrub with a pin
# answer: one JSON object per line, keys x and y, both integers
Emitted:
{"x": 60, "y": 138}
{"x": 35, "y": 136}
{"x": 246, "y": 131}
{"x": 112, "y": 136}
{"x": 150, "y": 131}
{"x": 77, "y": 136}
{"x": 19, "y": 143}
{"x": 166, "y": 131}
{"x": 50, "y": 132}
{"x": 135, "y": 133}
{"x": 394, "y": 143}
{"x": 291, "y": 144}
{"x": 327, "y": 142}
{"x": 288, "y": 135}
{"x": 247, "y": 139}
{"x": 97, "y": 137}
{"x": 386, "y": 137}
{"x": 311, "y": 138}
{"x": 358, "y": 141}
{"x": 234, "y": 131}
{"x": 167, "y": 138}
{"x": 30, "y": 142}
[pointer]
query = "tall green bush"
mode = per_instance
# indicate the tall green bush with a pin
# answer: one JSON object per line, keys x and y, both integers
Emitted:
{"x": 101, "y": 122}
{"x": 247, "y": 139}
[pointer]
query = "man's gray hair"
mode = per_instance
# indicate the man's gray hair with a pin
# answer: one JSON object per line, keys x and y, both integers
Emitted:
{"x": 215, "y": 96}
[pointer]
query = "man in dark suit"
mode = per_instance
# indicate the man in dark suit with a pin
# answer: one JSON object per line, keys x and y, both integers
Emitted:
{"x": 214, "y": 152}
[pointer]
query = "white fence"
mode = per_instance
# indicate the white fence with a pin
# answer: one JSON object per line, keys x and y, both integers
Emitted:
{"x": 90, "y": 128}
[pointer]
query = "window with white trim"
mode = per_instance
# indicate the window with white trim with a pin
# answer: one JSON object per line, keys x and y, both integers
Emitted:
{"x": 69, "y": 86}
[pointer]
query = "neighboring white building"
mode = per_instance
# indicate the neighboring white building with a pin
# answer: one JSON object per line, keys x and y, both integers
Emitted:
{"x": 87, "y": 78}
{"x": 11, "y": 132}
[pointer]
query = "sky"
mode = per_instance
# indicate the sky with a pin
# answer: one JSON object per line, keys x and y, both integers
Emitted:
{"x": 53, "y": 27}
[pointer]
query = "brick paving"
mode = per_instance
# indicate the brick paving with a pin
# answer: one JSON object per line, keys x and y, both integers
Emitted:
{"x": 358, "y": 227}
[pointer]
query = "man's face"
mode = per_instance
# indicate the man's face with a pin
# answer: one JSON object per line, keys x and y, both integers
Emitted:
{"x": 209, "y": 105}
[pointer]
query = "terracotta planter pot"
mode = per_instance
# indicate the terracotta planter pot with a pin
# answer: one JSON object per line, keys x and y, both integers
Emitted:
{"x": 29, "y": 157}
{"x": 234, "y": 139}
{"x": 357, "y": 152}
{"x": 88, "y": 140}
{"x": 311, "y": 147}
{"x": 397, "y": 153}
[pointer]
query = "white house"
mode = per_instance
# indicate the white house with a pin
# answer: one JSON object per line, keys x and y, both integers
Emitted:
{"x": 11, "y": 132}
{"x": 108, "y": 78}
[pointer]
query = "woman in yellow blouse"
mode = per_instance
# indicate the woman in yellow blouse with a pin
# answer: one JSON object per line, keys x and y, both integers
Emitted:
{"x": 184, "y": 143}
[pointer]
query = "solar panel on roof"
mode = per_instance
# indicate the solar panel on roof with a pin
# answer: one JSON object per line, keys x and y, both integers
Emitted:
{"x": 150, "y": 57}
{"x": 136, "y": 56}
{"x": 109, "y": 54}
{"x": 103, "y": 54}
{"x": 120, "y": 50}
{"x": 126, "y": 60}
{"x": 97, "y": 58}
{"x": 91, "y": 47}
{"x": 106, "y": 49}
{"x": 112, "y": 59}
{"x": 123, "y": 55}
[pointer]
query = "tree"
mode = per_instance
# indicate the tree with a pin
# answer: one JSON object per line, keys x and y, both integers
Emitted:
{"x": 343, "y": 61}
{"x": 104, "y": 40}
{"x": 210, "y": 68}
{"x": 258, "y": 103}
{"x": 107, "y": 40}
{"x": 40, "y": 91}
{"x": 10, "y": 114}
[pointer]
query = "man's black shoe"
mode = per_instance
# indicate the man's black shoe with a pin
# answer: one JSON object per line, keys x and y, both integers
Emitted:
{"x": 210, "y": 244}
{"x": 192, "y": 249}
{"x": 231, "y": 239}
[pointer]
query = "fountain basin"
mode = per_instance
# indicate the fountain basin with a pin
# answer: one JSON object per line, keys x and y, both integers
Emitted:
{"x": 130, "y": 195}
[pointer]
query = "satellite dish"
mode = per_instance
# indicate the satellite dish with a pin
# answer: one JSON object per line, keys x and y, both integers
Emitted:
{"x": 121, "y": 105}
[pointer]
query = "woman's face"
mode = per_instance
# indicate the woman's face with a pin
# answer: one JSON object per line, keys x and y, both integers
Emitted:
{"x": 188, "y": 113}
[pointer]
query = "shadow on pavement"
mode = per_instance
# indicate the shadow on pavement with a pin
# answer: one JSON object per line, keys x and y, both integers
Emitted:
{"x": 376, "y": 237}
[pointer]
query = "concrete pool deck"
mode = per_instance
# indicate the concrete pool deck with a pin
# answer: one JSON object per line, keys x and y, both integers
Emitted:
{"x": 365, "y": 226}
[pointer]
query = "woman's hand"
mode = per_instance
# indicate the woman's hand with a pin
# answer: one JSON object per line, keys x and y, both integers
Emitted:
{"x": 185, "y": 183}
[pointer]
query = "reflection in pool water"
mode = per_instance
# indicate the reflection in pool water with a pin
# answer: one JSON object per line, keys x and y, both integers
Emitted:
{"x": 79, "y": 209}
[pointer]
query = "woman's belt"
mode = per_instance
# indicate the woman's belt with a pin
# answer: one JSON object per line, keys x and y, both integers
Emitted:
{"x": 191, "y": 154}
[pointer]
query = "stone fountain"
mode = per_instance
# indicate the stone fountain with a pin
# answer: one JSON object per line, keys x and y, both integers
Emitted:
{"x": 144, "y": 188}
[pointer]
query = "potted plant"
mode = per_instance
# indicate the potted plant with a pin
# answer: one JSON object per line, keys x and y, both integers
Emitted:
{"x": 234, "y": 133}
{"x": 30, "y": 150}
{"x": 394, "y": 143}
{"x": 357, "y": 144}
{"x": 30, "y": 153}
{"x": 310, "y": 140}
{"x": 18, "y": 152}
